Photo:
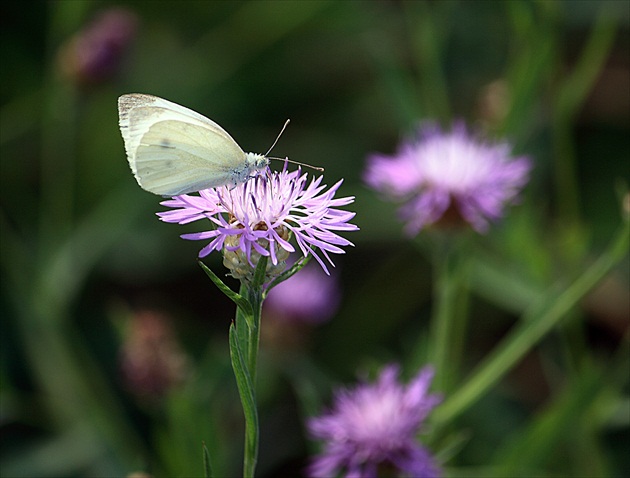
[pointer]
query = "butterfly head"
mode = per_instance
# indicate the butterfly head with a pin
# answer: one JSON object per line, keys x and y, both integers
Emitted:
{"x": 256, "y": 161}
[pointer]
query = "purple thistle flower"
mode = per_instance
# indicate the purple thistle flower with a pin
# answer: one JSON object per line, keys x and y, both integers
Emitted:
{"x": 442, "y": 175}
{"x": 374, "y": 426}
{"x": 258, "y": 218}
{"x": 96, "y": 52}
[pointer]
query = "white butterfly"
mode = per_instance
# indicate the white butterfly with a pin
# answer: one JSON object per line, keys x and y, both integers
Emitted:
{"x": 173, "y": 150}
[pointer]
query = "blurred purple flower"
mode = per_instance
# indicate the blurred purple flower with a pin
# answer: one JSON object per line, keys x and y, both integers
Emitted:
{"x": 440, "y": 176}
{"x": 374, "y": 426}
{"x": 95, "y": 53}
{"x": 308, "y": 297}
{"x": 258, "y": 218}
{"x": 152, "y": 360}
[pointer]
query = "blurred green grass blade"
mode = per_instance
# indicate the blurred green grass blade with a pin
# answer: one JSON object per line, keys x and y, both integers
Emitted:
{"x": 64, "y": 369}
{"x": 75, "y": 448}
{"x": 16, "y": 261}
{"x": 428, "y": 29}
{"x": 500, "y": 283}
{"x": 63, "y": 273}
{"x": 452, "y": 445}
{"x": 278, "y": 20}
{"x": 419, "y": 92}
{"x": 193, "y": 413}
{"x": 207, "y": 468}
{"x": 572, "y": 94}
{"x": 531, "y": 63}
{"x": 576, "y": 87}
{"x": 401, "y": 91}
{"x": 566, "y": 419}
{"x": 535, "y": 323}
{"x": 534, "y": 446}
{"x": 59, "y": 126}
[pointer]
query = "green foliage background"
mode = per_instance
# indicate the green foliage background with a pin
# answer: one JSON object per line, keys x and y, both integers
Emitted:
{"x": 83, "y": 253}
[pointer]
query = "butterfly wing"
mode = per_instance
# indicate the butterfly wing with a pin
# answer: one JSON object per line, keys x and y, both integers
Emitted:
{"x": 173, "y": 150}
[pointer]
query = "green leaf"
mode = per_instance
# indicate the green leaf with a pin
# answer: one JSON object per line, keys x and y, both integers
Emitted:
{"x": 207, "y": 469}
{"x": 248, "y": 400}
{"x": 240, "y": 301}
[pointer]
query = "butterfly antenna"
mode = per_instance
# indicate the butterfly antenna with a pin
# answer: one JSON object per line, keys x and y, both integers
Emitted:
{"x": 278, "y": 137}
{"x": 316, "y": 168}
{"x": 287, "y": 159}
{"x": 286, "y": 123}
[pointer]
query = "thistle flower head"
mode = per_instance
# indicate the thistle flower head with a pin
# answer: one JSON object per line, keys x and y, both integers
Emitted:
{"x": 259, "y": 217}
{"x": 374, "y": 426}
{"x": 440, "y": 175}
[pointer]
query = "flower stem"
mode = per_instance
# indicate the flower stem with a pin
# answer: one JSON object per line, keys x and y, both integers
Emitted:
{"x": 254, "y": 295}
{"x": 244, "y": 339}
{"x": 448, "y": 318}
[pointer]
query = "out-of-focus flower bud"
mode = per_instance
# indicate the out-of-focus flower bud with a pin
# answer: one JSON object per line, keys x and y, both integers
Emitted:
{"x": 95, "y": 53}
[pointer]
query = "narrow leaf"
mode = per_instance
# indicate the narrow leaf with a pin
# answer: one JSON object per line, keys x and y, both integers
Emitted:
{"x": 240, "y": 301}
